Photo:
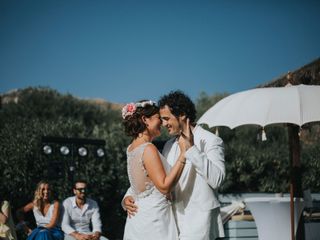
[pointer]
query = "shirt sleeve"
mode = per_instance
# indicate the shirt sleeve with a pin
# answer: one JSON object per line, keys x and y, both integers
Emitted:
{"x": 96, "y": 221}
{"x": 208, "y": 160}
{"x": 65, "y": 225}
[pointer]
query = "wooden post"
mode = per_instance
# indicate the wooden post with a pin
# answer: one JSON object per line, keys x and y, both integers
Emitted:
{"x": 295, "y": 170}
{"x": 291, "y": 211}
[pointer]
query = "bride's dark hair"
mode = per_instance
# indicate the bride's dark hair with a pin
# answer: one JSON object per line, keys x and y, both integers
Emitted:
{"x": 133, "y": 124}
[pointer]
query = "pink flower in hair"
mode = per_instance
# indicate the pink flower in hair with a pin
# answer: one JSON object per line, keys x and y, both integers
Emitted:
{"x": 128, "y": 110}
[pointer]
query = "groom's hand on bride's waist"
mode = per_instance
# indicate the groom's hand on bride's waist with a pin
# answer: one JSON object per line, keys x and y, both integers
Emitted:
{"x": 130, "y": 206}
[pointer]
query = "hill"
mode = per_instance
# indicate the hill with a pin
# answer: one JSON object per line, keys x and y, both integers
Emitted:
{"x": 14, "y": 95}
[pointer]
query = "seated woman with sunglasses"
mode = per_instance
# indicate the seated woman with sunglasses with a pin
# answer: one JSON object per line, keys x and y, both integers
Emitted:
{"x": 46, "y": 212}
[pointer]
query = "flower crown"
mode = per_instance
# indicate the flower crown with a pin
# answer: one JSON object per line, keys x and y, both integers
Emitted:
{"x": 130, "y": 108}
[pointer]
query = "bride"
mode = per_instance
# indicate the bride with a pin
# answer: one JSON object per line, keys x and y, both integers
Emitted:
{"x": 150, "y": 184}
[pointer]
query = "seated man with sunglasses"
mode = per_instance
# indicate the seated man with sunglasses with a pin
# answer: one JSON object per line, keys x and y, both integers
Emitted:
{"x": 79, "y": 213}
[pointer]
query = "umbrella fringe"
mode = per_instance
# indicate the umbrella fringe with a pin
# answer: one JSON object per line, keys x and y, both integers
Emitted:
{"x": 263, "y": 135}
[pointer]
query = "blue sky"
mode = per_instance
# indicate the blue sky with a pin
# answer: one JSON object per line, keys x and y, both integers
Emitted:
{"x": 126, "y": 50}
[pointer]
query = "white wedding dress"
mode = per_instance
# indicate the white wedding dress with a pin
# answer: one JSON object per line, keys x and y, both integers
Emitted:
{"x": 154, "y": 219}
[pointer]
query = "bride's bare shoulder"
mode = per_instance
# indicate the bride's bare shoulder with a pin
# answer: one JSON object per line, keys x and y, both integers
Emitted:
{"x": 151, "y": 150}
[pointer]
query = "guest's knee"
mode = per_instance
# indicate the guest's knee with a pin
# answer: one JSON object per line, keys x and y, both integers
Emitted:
{"x": 68, "y": 237}
{"x": 103, "y": 238}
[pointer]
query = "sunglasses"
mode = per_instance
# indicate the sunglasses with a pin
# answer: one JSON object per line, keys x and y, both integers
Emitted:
{"x": 82, "y": 190}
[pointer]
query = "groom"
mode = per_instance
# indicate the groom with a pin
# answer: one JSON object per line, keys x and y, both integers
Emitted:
{"x": 195, "y": 203}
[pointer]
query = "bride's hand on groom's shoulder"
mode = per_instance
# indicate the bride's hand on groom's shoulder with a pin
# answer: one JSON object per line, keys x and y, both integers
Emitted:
{"x": 130, "y": 206}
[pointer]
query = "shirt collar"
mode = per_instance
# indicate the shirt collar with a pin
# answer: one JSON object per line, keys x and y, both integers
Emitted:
{"x": 195, "y": 128}
{"x": 74, "y": 204}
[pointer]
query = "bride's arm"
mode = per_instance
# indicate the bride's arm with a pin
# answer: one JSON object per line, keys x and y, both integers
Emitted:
{"x": 156, "y": 172}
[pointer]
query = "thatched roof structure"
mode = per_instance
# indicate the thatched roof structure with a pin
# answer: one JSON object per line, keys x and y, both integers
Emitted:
{"x": 308, "y": 75}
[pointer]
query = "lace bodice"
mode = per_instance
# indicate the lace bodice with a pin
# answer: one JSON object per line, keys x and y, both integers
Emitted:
{"x": 141, "y": 184}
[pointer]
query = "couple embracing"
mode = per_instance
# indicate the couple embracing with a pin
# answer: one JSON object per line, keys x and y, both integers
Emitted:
{"x": 172, "y": 195}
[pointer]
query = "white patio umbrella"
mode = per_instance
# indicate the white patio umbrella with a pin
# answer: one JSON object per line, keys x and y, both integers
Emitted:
{"x": 263, "y": 106}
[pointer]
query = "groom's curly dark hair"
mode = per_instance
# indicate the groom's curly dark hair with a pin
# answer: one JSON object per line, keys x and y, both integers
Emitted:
{"x": 179, "y": 104}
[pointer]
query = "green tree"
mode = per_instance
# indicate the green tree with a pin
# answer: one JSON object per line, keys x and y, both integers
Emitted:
{"x": 38, "y": 112}
{"x": 26, "y": 115}
{"x": 204, "y": 102}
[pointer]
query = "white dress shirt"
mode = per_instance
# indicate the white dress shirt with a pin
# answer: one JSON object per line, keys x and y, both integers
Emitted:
{"x": 195, "y": 201}
{"x": 76, "y": 219}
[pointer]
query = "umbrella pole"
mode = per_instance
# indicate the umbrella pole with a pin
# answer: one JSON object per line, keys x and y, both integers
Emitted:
{"x": 295, "y": 165}
{"x": 291, "y": 211}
